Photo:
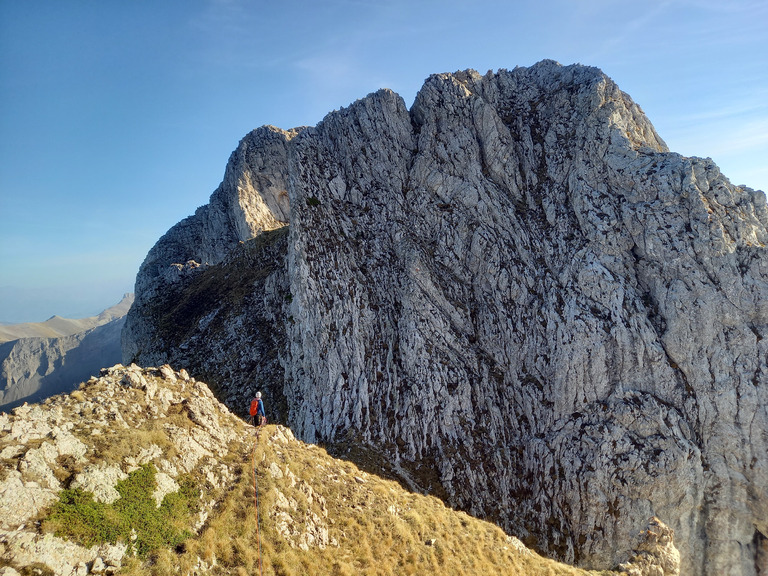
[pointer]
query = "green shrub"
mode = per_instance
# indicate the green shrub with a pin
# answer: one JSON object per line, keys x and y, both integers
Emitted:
{"x": 79, "y": 517}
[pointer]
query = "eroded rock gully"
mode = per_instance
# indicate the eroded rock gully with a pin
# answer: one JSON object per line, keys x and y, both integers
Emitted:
{"x": 514, "y": 289}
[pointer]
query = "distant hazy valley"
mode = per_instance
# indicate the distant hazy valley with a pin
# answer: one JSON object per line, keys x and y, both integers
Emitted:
{"x": 40, "y": 359}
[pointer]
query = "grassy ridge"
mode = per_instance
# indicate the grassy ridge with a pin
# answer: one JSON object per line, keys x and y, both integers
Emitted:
{"x": 318, "y": 515}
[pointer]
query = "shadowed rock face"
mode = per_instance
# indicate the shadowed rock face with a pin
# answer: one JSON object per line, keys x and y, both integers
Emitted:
{"x": 517, "y": 291}
{"x": 46, "y": 358}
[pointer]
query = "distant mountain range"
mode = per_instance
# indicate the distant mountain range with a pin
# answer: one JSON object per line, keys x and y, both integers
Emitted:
{"x": 40, "y": 359}
{"x": 56, "y": 326}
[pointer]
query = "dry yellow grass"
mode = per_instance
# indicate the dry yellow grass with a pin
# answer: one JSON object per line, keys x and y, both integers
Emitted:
{"x": 375, "y": 527}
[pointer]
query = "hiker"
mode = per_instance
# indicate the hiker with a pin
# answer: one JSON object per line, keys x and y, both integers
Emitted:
{"x": 257, "y": 411}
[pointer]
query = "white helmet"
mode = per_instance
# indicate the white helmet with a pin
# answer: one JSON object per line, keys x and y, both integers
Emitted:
{"x": 258, "y": 394}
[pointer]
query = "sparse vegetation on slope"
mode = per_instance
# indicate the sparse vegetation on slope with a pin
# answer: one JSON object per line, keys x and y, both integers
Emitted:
{"x": 319, "y": 515}
{"x": 134, "y": 517}
{"x": 144, "y": 472}
{"x": 234, "y": 314}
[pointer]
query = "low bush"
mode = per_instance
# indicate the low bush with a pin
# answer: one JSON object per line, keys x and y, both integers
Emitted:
{"x": 134, "y": 518}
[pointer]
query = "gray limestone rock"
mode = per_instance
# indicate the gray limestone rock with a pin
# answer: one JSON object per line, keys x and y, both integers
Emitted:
{"x": 515, "y": 290}
{"x": 64, "y": 442}
{"x": 20, "y": 501}
{"x": 26, "y": 549}
{"x": 655, "y": 554}
{"x": 100, "y": 480}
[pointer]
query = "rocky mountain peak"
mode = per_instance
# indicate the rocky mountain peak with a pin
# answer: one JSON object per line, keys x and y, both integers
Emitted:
{"x": 515, "y": 291}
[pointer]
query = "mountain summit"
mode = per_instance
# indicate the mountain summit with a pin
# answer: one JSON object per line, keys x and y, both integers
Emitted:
{"x": 513, "y": 291}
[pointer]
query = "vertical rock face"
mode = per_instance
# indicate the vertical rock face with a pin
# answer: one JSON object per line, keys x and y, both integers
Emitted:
{"x": 521, "y": 295}
{"x": 251, "y": 199}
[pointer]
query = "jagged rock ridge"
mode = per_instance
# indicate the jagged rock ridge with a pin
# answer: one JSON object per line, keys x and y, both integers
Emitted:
{"x": 517, "y": 292}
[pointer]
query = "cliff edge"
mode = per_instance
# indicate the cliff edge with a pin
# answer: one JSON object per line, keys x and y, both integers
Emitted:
{"x": 515, "y": 291}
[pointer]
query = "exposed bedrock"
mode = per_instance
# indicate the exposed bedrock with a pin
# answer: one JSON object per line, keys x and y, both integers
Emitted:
{"x": 513, "y": 289}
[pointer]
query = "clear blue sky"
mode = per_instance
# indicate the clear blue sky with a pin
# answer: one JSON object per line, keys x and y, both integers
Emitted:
{"x": 117, "y": 117}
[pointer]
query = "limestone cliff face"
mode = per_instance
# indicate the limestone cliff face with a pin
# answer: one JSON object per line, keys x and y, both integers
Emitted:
{"x": 251, "y": 199}
{"x": 518, "y": 292}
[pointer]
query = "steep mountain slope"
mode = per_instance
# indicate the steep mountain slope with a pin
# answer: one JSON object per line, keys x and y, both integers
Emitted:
{"x": 516, "y": 291}
{"x": 34, "y": 368}
{"x": 144, "y": 471}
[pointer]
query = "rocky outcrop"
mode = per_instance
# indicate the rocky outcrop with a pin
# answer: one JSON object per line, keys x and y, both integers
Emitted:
{"x": 252, "y": 198}
{"x": 32, "y": 369}
{"x": 91, "y": 439}
{"x": 655, "y": 554}
{"x": 62, "y": 558}
{"x": 517, "y": 293}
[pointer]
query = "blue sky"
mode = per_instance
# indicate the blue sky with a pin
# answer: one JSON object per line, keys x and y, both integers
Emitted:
{"x": 117, "y": 117}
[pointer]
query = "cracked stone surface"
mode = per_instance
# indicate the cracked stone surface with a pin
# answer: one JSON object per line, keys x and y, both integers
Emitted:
{"x": 515, "y": 289}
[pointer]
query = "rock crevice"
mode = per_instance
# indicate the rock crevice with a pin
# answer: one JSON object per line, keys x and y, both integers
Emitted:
{"x": 514, "y": 289}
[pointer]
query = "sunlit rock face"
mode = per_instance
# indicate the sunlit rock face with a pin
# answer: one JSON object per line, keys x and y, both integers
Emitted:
{"x": 515, "y": 291}
{"x": 251, "y": 199}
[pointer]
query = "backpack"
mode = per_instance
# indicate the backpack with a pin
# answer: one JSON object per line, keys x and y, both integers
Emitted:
{"x": 254, "y": 407}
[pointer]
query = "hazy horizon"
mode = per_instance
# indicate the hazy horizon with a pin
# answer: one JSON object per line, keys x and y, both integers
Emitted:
{"x": 118, "y": 118}
{"x": 77, "y": 308}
